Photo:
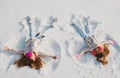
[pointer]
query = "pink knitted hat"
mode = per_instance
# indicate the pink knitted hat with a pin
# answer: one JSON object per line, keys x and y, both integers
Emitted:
{"x": 28, "y": 54}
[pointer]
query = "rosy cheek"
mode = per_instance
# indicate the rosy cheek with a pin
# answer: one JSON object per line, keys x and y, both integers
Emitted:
{"x": 32, "y": 58}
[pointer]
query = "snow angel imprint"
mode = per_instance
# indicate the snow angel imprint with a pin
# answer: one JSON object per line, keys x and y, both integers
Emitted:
{"x": 30, "y": 56}
{"x": 98, "y": 49}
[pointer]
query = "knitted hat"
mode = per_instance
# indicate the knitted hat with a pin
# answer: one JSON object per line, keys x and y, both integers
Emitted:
{"x": 100, "y": 48}
{"x": 28, "y": 54}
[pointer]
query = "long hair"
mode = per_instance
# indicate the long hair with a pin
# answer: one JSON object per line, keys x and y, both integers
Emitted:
{"x": 103, "y": 55}
{"x": 106, "y": 50}
{"x": 24, "y": 61}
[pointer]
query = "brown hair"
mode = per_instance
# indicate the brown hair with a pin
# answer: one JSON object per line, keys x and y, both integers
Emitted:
{"x": 103, "y": 55}
{"x": 24, "y": 61}
{"x": 106, "y": 50}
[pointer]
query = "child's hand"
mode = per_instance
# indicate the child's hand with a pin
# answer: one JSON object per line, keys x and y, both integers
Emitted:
{"x": 54, "y": 57}
{"x": 6, "y": 48}
{"x": 77, "y": 56}
{"x": 112, "y": 42}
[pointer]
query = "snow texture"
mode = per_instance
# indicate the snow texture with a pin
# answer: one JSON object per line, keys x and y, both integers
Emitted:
{"x": 61, "y": 38}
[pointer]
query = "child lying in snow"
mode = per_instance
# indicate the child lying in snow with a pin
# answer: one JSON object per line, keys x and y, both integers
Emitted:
{"x": 98, "y": 49}
{"x": 30, "y": 56}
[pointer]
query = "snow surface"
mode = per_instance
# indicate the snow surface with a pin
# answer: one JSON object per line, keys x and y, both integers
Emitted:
{"x": 62, "y": 40}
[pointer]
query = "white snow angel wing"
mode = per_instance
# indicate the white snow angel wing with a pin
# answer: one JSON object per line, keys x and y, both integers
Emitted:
{"x": 49, "y": 46}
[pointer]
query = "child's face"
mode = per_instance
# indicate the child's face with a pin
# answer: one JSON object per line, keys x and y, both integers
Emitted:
{"x": 104, "y": 61}
{"x": 102, "y": 58}
{"x": 33, "y": 57}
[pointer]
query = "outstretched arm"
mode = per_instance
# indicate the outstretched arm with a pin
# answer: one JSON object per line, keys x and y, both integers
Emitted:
{"x": 13, "y": 51}
{"x": 45, "y": 55}
{"x": 109, "y": 42}
{"x": 86, "y": 50}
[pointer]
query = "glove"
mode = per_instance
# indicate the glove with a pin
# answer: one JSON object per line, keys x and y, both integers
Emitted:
{"x": 77, "y": 56}
{"x": 112, "y": 42}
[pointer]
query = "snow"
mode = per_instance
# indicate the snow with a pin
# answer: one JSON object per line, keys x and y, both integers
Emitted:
{"x": 61, "y": 40}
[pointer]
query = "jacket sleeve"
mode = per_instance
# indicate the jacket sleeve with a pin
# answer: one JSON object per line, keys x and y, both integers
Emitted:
{"x": 44, "y": 55}
{"x": 16, "y": 52}
{"x": 109, "y": 42}
{"x": 86, "y": 50}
